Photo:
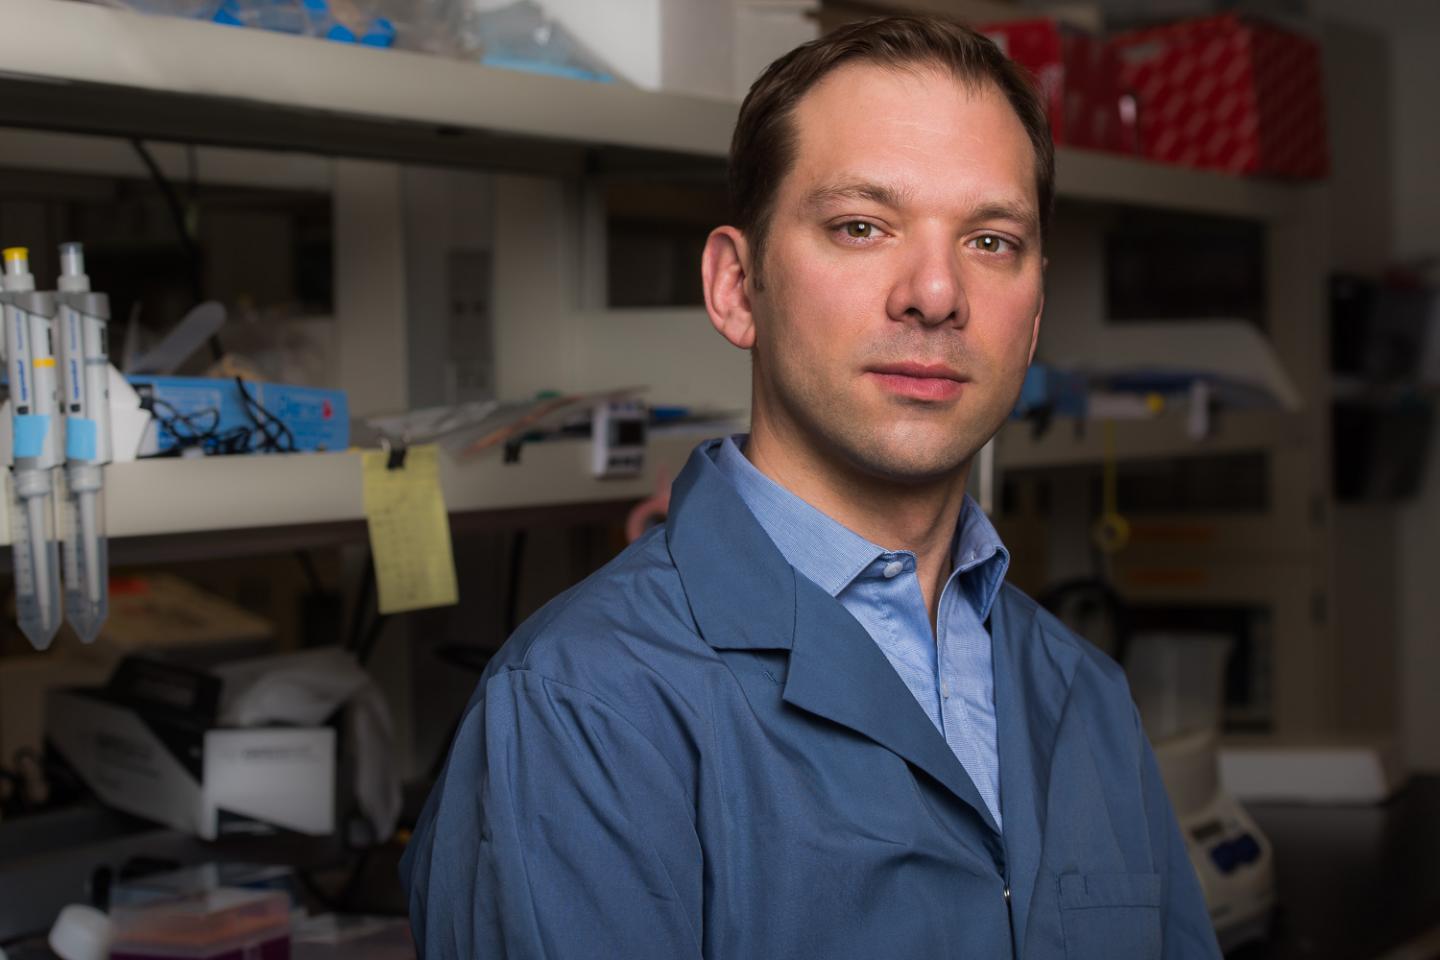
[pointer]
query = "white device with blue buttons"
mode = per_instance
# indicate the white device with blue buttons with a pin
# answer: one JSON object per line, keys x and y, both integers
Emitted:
{"x": 1178, "y": 682}
{"x": 1231, "y": 856}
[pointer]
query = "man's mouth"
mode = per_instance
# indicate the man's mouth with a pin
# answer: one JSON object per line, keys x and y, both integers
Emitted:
{"x": 919, "y": 381}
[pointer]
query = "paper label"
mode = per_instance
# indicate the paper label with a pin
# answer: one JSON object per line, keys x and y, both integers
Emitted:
{"x": 409, "y": 531}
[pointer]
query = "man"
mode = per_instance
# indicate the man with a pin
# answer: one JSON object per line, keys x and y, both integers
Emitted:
{"x": 806, "y": 718}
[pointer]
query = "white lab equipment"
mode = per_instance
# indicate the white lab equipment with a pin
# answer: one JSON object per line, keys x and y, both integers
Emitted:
{"x": 83, "y": 320}
{"x": 35, "y": 448}
{"x": 617, "y": 447}
{"x": 1178, "y": 681}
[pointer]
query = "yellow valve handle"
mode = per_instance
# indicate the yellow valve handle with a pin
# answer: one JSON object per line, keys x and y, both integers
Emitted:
{"x": 1111, "y": 532}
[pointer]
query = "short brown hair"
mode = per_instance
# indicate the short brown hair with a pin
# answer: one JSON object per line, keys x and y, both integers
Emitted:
{"x": 762, "y": 148}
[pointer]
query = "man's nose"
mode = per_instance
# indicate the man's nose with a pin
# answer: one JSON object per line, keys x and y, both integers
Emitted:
{"x": 929, "y": 288}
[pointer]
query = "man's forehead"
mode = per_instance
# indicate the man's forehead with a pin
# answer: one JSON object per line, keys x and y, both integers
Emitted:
{"x": 867, "y": 131}
{"x": 836, "y": 94}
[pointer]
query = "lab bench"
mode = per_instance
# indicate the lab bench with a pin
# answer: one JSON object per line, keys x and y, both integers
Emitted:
{"x": 1353, "y": 883}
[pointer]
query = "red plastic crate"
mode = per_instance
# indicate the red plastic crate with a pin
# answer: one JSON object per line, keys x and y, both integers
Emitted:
{"x": 1228, "y": 93}
{"x": 1079, "y": 79}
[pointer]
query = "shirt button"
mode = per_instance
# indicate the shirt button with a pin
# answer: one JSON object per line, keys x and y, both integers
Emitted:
{"x": 892, "y": 569}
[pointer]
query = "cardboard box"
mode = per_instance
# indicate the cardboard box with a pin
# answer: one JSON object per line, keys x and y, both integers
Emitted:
{"x": 145, "y": 744}
{"x": 1228, "y": 93}
{"x": 156, "y": 611}
{"x": 1079, "y": 79}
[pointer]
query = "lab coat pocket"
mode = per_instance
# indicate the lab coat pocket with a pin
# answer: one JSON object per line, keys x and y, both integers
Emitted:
{"x": 1110, "y": 915}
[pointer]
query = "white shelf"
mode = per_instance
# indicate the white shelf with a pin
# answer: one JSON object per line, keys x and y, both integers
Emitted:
{"x": 112, "y": 71}
{"x": 87, "y": 68}
{"x": 1112, "y": 178}
{"x": 208, "y": 495}
{"x": 1161, "y": 438}
{"x": 169, "y": 497}
{"x": 172, "y": 496}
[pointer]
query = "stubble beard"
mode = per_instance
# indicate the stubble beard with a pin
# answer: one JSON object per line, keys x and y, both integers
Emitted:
{"x": 842, "y": 432}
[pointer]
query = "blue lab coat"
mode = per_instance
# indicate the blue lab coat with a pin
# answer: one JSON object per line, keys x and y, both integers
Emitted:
{"x": 699, "y": 753}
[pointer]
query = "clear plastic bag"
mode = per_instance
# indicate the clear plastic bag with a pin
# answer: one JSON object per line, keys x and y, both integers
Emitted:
{"x": 418, "y": 24}
{"x": 522, "y": 37}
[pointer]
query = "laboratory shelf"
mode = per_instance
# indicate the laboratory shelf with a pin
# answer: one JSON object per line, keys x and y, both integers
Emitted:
{"x": 1088, "y": 175}
{"x": 86, "y": 68}
{"x": 215, "y": 495}
{"x": 1074, "y": 443}
{"x": 208, "y": 495}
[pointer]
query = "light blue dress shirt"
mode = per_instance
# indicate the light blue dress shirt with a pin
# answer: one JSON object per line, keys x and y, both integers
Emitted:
{"x": 948, "y": 670}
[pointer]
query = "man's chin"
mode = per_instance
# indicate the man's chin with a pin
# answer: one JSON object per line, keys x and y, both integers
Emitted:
{"x": 912, "y": 463}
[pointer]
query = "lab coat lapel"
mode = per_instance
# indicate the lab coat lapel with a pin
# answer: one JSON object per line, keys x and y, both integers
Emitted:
{"x": 744, "y": 596}
{"x": 838, "y": 672}
{"x": 740, "y": 589}
{"x": 1033, "y": 675}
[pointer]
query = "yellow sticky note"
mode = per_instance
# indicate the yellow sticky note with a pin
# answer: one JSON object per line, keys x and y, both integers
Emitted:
{"x": 409, "y": 531}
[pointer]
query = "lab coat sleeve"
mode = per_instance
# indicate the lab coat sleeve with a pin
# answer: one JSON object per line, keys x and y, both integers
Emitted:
{"x": 1186, "y": 928}
{"x": 559, "y": 830}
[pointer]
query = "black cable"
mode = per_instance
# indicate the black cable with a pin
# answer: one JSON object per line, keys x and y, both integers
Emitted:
{"x": 1097, "y": 594}
{"x": 312, "y": 572}
{"x": 275, "y": 435}
{"x": 365, "y": 625}
{"x": 466, "y": 657}
{"x": 372, "y": 636}
{"x": 199, "y": 428}
{"x": 362, "y": 602}
{"x": 266, "y": 433}
{"x": 194, "y": 263}
{"x": 512, "y": 585}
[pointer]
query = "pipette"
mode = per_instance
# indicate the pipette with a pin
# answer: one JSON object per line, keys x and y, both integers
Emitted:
{"x": 85, "y": 401}
{"x": 34, "y": 448}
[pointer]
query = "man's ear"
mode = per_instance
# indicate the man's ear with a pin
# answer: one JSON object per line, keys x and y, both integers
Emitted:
{"x": 723, "y": 270}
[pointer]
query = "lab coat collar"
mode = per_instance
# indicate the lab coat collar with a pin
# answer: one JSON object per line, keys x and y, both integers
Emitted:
{"x": 746, "y": 597}
{"x": 741, "y": 590}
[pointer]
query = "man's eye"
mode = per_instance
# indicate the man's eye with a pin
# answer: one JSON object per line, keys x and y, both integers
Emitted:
{"x": 858, "y": 230}
{"x": 990, "y": 243}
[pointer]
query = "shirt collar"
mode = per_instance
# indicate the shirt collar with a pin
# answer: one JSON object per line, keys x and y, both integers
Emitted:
{"x": 822, "y": 549}
{"x": 978, "y": 548}
{"x": 831, "y": 555}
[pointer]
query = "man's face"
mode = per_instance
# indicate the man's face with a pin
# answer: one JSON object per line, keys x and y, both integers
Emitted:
{"x": 901, "y": 282}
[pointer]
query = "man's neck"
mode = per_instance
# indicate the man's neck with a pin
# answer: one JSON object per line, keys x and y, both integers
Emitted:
{"x": 918, "y": 518}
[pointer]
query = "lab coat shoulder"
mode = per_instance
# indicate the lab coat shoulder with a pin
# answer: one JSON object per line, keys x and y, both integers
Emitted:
{"x": 626, "y": 637}
{"x": 570, "y": 752}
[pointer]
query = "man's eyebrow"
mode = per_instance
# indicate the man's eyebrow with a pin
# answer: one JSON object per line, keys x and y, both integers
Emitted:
{"x": 1018, "y": 213}
{"x": 823, "y": 196}
{"x": 883, "y": 194}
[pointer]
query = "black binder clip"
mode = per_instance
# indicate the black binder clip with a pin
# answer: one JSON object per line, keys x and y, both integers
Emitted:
{"x": 394, "y": 455}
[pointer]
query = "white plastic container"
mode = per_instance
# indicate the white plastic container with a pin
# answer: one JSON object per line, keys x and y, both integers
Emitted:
{"x": 1178, "y": 681}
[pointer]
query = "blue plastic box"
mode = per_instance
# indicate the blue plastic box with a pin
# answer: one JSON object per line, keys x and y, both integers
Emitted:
{"x": 316, "y": 419}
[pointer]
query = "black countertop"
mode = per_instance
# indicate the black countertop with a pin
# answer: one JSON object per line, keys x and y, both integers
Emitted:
{"x": 1353, "y": 883}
